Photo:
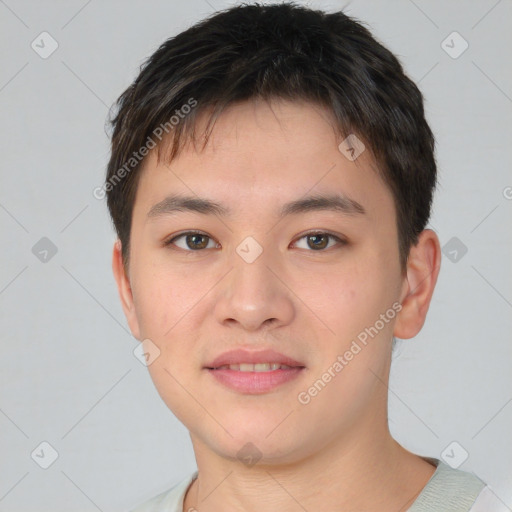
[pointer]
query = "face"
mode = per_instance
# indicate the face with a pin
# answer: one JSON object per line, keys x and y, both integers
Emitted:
{"x": 309, "y": 281}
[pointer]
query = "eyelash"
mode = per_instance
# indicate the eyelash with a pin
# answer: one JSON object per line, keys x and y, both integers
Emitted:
{"x": 169, "y": 242}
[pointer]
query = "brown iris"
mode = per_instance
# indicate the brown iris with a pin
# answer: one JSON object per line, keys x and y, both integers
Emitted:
{"x": 192, "y": 239}
{"x": 316, "y": 245}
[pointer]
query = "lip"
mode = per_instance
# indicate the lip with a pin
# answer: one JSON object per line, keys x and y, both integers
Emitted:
{"x": 254, "y": 383}
{"x": 253, "y": 357}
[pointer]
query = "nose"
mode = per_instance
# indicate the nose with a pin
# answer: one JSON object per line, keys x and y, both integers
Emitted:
{"x": 254, "y": 295}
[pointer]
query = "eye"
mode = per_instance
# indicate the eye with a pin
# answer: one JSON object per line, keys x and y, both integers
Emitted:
{"x": 195, "y": 240}
{"x": 319, "y": 240}
{"x": 192, "y": 241}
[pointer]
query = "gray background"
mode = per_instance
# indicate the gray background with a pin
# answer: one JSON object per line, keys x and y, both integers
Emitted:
{"x": 68, "y": 374}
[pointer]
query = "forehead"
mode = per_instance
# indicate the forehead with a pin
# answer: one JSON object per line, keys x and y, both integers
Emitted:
{"x": 260, "y": 156}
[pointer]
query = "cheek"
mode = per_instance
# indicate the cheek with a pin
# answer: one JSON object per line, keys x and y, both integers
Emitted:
{"x": 161, "y": 298}
{"x": 344, "y": 299}
{"x": 351, "y": 304}
{"x": 168, "y": 304}
{"x": 175, "y": 390}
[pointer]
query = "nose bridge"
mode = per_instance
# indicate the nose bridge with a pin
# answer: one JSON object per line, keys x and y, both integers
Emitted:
{"x": 251, "y": 294}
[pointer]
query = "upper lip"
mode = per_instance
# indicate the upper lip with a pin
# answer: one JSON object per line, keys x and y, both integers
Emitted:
{"x": 252, "y": 357}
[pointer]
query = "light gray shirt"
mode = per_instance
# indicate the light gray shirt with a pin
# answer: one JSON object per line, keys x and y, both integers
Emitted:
{"x": 448, "y": 490}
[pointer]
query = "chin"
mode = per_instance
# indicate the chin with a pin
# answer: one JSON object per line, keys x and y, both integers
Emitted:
{"x": 252, "y": 444}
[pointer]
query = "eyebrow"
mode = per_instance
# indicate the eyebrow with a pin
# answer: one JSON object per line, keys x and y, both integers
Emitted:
{"x": 332, "y": 202}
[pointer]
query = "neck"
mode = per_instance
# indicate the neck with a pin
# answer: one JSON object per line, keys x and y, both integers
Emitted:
{"x": 363, "y": 470}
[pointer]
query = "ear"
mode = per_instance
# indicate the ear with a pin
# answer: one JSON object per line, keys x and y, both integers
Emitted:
{"x": 423, "y": 266}
{"x": 124, "y": 289}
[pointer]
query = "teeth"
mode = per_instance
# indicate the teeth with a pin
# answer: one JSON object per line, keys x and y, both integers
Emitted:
{"x": 258, "y": 367}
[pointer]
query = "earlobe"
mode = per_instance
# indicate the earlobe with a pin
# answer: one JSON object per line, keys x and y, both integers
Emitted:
{"x": 423, "y": 265}
{"x": 124, "y": 289}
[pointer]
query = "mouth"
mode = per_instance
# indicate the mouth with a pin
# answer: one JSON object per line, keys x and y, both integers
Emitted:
{"x": 254, "y": 372}
{"x": 258, "y": 367}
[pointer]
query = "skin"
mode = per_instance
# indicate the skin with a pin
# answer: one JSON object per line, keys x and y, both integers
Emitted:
{"x": 307, "y": 303}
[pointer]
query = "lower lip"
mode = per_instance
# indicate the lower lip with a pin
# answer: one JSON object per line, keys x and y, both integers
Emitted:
{"x": 255, "y": 382}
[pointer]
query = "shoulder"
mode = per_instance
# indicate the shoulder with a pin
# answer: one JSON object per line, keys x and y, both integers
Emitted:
{"x": 167, "y": 501}
{"x": 450, "y": 490}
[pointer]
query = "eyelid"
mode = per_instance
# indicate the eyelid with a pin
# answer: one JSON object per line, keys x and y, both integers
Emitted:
{"x": 186, "y": 232}
{"x": 340, "y": 239}
{"x": 169, "y": 240}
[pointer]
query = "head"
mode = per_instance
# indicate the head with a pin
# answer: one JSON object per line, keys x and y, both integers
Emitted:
{"x": 294, "y": 146}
